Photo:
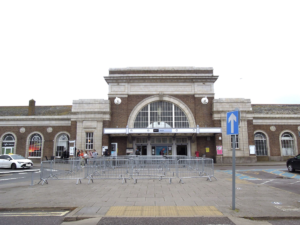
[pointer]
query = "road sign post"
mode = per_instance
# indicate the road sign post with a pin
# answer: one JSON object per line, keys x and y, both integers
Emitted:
{"x": 233, "y": 173}
{"x": 232, "y": 121}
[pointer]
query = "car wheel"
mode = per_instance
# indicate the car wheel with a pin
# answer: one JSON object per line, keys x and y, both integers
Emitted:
{"x": 13, "y": 166}
{"x": 290, "y": 168}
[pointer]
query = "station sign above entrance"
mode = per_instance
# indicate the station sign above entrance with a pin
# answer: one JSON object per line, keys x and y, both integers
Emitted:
{"x": 160, "y": 130}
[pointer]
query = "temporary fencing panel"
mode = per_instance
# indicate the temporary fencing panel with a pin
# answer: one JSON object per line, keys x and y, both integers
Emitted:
{"x": 194, "y": 168}
{"x": 108, "y": 168}
{"x": 62, "y": 170}
{"x": 149, "y": 168}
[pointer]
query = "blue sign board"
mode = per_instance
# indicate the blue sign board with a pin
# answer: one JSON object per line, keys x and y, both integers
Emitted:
{"x": 232, "y": 123}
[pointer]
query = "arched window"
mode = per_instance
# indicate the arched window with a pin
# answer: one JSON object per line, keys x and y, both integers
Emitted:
{"x": 260, "y": 144}
{"x": 287, "y": 144}
{"x": 8, "y": 144}
{"x": 35, "y": 145}
{"x": 62, "y": 144}
{"x": 161, "y": 115}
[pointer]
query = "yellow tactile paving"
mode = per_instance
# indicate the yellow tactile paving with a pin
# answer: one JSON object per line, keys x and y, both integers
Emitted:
{"x": 163, "y": 211}
{"x": 239, "y": 181}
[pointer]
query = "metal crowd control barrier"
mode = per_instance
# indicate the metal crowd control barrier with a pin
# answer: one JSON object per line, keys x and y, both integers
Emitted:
{"x": 107, "y": 168}
{"x": 62, "y": 170}
{"x": 128, "y": 167}
{"x": 149, "y": 168}
{"x": 195, "y": 168}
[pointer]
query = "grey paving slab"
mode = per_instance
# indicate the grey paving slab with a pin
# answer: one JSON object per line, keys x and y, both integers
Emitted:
{"x": 166, "y": 203}
{"x": 124, "y": 203}
{"x": 155, "y": 199}
{"x": 136, "y": 199}
{"x": 88, "y": 210}
{"x": 185, "y": 203}
{"x": 149, "y": 203}
{"x": 103, "y": 210}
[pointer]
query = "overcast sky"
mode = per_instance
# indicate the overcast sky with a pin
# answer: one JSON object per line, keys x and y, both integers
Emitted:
{"x": 58, "y": 51}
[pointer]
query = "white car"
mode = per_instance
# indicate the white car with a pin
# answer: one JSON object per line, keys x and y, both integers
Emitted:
{"x": 14, "y": 161}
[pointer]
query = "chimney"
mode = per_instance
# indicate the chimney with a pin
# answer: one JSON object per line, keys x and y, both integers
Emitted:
{"x": 31, "y": 108}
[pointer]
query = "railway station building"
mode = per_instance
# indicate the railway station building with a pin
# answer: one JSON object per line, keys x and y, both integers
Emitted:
{"x": 169, "y": 109}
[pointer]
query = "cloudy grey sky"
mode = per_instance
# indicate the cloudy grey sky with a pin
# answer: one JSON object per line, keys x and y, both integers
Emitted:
{"x": 59, "y": 51}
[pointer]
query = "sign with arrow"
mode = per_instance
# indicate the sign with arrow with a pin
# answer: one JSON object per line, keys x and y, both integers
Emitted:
{"x": 232, "y": 122}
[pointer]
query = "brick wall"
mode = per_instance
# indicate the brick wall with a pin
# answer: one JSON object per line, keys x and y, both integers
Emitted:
{"x": 122, "y": 144}
{"x": 250, "y": 132}
{"x": 203, "y": 142}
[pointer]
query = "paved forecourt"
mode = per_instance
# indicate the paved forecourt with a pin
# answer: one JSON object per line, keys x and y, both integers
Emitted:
{"x": 153, "y": 198}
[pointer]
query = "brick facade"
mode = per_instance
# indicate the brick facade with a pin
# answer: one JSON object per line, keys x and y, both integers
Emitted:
{"x": 274, "y": 136}
{"x": 22, "y": 138}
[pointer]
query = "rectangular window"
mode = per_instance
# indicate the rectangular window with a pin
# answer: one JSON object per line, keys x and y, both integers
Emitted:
{"x": 236, "y": 141}
{"x": 89, "y": 141}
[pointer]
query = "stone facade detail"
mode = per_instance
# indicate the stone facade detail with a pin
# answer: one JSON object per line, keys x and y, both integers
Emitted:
{"x": 89, "y": 115}
{"x": 220, "y": 109}
{"x": 272, "y": 128}
{"x": 22, "y": 130}
{"x": 170, "y": 81}
{"x": 49, "y": 129}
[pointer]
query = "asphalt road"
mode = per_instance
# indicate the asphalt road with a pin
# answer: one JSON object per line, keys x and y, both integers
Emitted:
{"x": 275, "y": 180}
{"x": 8, "y": 176}
{"x": 32, "y": 220}
{"x": 274, "y": 176}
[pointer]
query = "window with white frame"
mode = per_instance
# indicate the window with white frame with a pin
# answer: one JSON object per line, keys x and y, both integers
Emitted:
{"x": 89, "y": 141}
{"x": 260, "y": 144}
{"x": 287, "y": 144}
{"x": 236, "y": 141}
{"x": 35, "y": 145}
{"x": 161, "y": 115}
{"x": 8, "y": 144}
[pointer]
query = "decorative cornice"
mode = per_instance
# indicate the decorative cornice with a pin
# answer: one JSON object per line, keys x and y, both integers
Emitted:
{"x": 160, "y": 79}
{"x": 34, "y": 123}
{"x": 276, "y": 121}
{"x": 35, "y": 117}
{"x": 288, "y": 116}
